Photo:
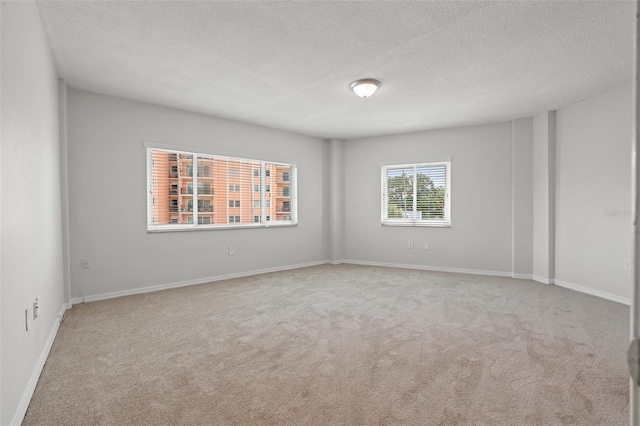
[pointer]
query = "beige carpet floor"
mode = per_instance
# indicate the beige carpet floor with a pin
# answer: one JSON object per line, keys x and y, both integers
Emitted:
{"x": 341, "y": 345}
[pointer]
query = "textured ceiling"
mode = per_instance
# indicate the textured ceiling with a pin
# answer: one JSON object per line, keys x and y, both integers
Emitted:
{"x": 289, "y": 64}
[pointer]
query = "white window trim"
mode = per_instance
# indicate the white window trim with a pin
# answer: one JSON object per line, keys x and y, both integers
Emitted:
{"x": 152, "y": 227}
{"x": 160, "y": 146}
{"x": 385, "y": 221}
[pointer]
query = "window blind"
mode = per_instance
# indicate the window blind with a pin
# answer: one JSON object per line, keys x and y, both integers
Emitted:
{"x": 188, "y": 190}
{"x": 416, "y": 194}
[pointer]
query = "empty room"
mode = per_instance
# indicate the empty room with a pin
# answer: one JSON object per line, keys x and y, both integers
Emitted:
{"x": 317, "y": 213}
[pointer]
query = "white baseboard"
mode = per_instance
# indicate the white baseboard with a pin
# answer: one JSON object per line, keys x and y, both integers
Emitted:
{"x": 428, "y": 268}
{"x": 522, "y": 276}
{"x": 582, "y": 289}
{"x": 150, "y": 289}
{"x": 542, "y": 280}
{"x": 35, "y": 376}
{"x": 592, "y": 292}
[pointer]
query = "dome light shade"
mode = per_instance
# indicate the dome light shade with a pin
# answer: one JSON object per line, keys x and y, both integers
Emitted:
{"x": 365, "y": 87}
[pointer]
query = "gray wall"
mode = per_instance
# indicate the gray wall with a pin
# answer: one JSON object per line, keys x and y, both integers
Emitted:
{"x": 107, "y": 197}
{"x": 594, "y": 176}
{"x": 544, "y": 184}
{"x": 336, "y": 200}
{"x": 31, "y": 248}
{"x": 522, "y": 198}
{"x": 480, "y": 237}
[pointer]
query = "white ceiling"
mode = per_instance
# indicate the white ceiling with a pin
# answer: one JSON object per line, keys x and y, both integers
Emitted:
{"x": 289, "y": 64}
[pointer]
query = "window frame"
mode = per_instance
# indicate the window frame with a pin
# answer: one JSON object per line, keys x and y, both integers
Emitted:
{"x": 201, "y": 220}
{"x": 384, "y": 199}
{"x": 265, "y": 222}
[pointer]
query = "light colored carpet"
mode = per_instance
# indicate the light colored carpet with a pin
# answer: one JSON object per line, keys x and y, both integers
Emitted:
{"x": 341, "y": 345}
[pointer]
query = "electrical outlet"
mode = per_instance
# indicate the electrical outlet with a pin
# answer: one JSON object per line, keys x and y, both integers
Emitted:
{"x": 35, "y": 308}
{"x": 85, "y": 264}
{"x": 232, "y": 251}
{"x": 426, "y": 245}
{"x": 410, "y": 244}
{"x": 627, "y": 265}
{"x": 27, "y": 318}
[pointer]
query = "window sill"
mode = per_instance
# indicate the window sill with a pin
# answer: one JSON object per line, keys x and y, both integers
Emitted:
{"x": 192, "y": 228}
{"x": 417, "y": 224}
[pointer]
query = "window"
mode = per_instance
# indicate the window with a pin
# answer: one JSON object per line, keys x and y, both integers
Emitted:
{"x": 417, "y": 194}
{"x": 256, "y": 204}
{"x": 204, "y": 170}
{"x": 204, "y": 188}
{"x": 285, "y": 177}
{"x": 183, "y": 188}
{"x": 286, "y": 191}
{"x": 205, "y": 206}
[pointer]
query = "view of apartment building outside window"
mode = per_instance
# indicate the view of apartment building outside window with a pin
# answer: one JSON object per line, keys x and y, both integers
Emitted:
{"x": 219, "y": 191}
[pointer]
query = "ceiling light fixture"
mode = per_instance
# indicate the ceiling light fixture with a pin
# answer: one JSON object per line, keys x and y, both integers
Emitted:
{"x": 365, "y": 87}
